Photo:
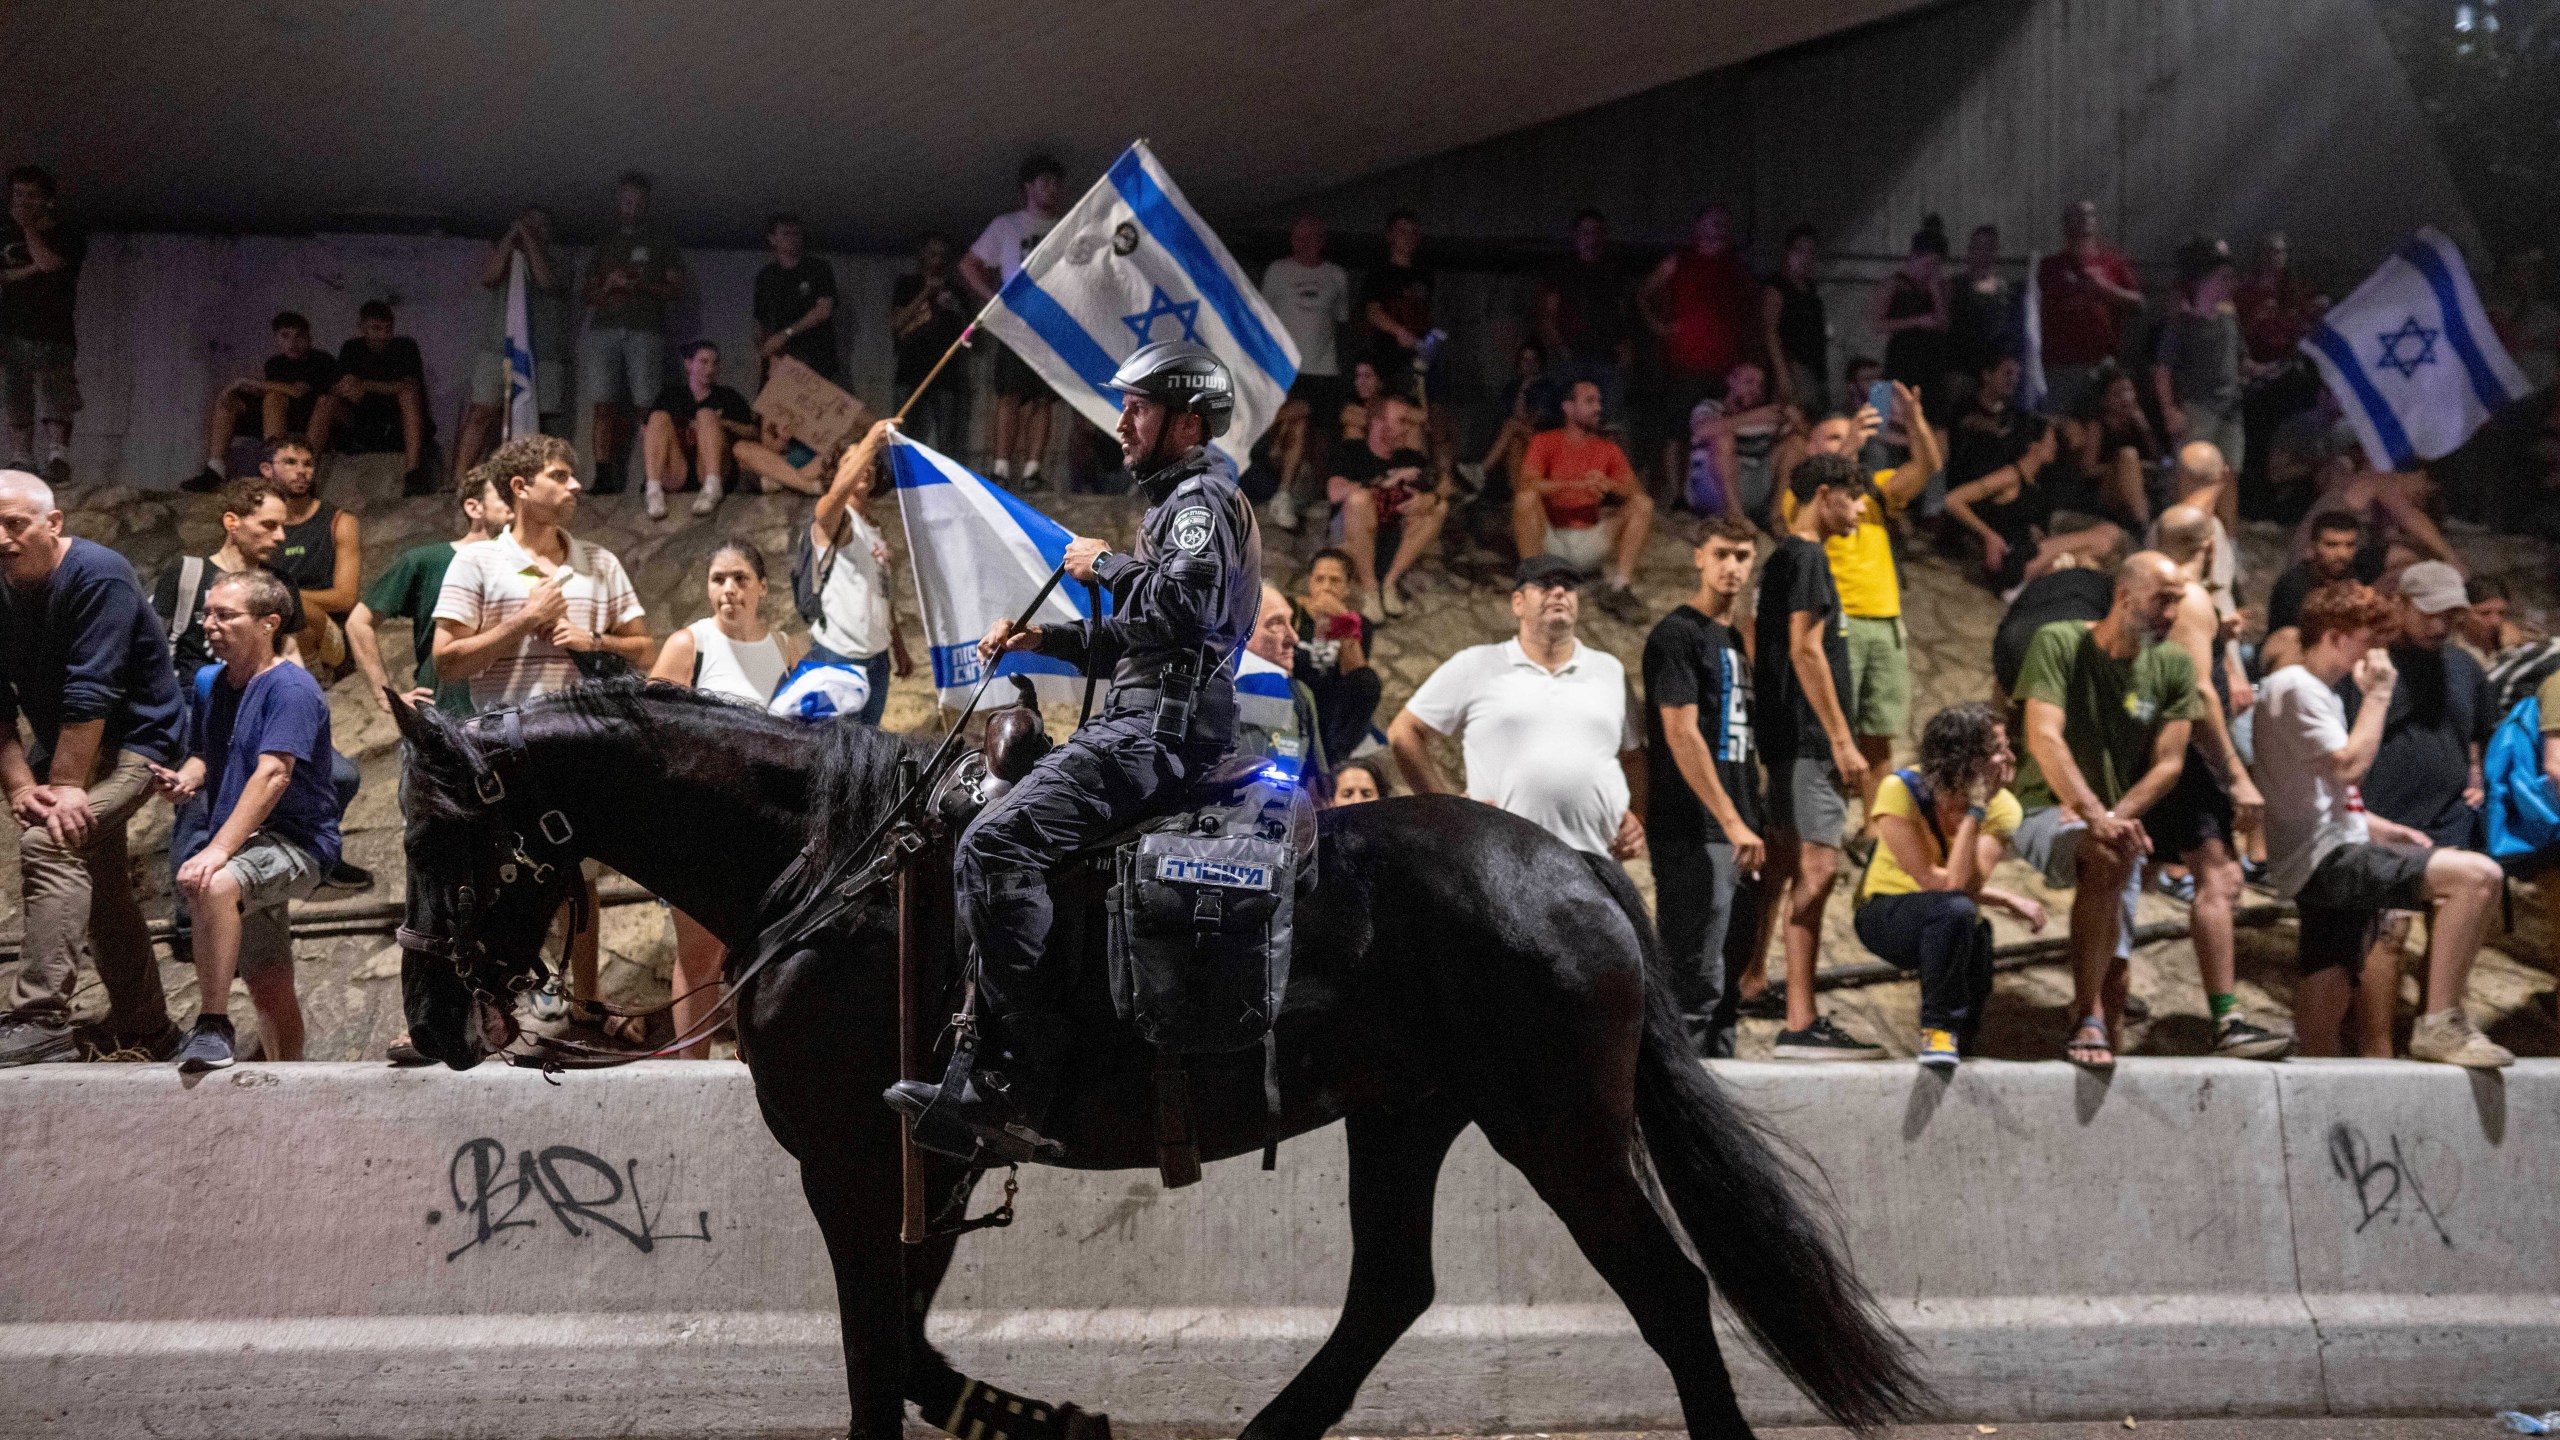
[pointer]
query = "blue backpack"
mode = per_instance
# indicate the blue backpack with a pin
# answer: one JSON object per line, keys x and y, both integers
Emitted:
{"x": 2523, "y": 807}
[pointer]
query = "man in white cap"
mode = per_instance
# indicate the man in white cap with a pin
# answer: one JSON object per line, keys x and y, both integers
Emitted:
{"x": 2427, "y": 775}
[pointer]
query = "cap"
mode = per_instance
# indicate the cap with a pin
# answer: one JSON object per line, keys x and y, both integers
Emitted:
{"x": 1547, "y": 570}
{"x": 2434, "y": 587}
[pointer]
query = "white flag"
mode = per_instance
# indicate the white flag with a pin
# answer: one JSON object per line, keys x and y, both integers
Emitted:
{"x": 2031, "y": 387}
{"x": 524, "y": 415}
{"x": 2412, "y": 358}
{"x": 979, "y": 555}
{"x": 1131, "y": 264}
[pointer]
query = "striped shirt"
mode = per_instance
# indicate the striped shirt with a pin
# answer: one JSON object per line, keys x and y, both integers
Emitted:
{"x": 490, "y": 581}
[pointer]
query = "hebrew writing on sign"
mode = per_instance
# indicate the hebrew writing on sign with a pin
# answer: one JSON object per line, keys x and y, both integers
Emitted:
{"x": 810, "y": 408}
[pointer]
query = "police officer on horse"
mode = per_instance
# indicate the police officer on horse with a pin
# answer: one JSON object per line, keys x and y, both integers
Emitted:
{"x": 1182, "y": 605}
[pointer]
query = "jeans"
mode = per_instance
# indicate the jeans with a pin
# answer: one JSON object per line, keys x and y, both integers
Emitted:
{"x": 874, "y": 668}
{"x": 80, "y": 906}
{"x": 1694, "y": 886}
{"x": 1942, "y": 935}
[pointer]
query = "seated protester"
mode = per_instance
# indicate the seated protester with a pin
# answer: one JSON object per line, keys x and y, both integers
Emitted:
{"x": 2484, "y": 628}
{"x": 1992, "y": 432}
{"x": 1577, "y": 499}
{"x": 321, "y": 554}
{"x": 2427, "y": 776}
{"x": 1359, "y": 780}
{"x": 1529, "y": 404}
{"x": 1382, "y": 499}
{"x": 1941, "y": 824}
{"x": 1333, "y": 653}
{"x": 696, "y": 419}
{"x": 1731, "y": 445}
{"x": 2020, "y": 522}
{"x": 408, "y": 590}
{"x": 2112, "y": 447}
{"x": 382, "y": 397}
{"x": 2342, "y": 866}
{"x": 2338, "y": 552}
{"x": 2206, "y": 487}
{"x": 2075, "y": 589}
{"x": 286, "y": 400}
{"x": 845, "y": 569}
{"x": 2308, "y": 451}
{"x": 1275, "y": 712}
{"x": 1351, "y": 422}
{"x": 259, "y": 747}
{"x": 730, "y": 652}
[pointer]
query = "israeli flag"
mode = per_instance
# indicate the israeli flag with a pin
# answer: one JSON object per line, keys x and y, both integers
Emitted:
{"x": 2411, "y": 357}
{"x": 524, "y": 415}
{"x": 1267, "y": 714}
{"x": 979, "y": 555}
{"x": 1131, "y": 264}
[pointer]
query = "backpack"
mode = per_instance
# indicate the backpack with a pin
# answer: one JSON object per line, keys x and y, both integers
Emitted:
{"x": 183, "y": 613}
{"x": 2523, "y": 807}
{"x": 2521, "y": 671}
{"x": 809, "y": 573}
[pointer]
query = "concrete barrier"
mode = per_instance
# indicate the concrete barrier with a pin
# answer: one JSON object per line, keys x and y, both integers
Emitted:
{"x": 323, "y": 1250}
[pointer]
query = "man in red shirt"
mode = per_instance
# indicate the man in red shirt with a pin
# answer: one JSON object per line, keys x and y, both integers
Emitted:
{"x": 2086, "y": 291}
{"x": 1561, "y": 505}
{"x": 1705, "y": 306}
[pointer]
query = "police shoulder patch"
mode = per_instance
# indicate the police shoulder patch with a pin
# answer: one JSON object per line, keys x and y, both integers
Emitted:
{"x": 1191, "y": 528}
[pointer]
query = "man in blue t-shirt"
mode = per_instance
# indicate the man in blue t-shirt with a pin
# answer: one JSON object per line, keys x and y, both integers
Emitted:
{"x": 260, "y": 747}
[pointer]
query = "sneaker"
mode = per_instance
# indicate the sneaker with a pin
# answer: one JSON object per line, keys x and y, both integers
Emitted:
{"x": 57, "y": 471}
{"x": 1391, "y": 599}
{"x": 547, "y": 1004}
{"x": 1369, "y": 610}
{"x": 1823, "y": 1040}
{"x": 2449, "y": 1038}
{"x": 1284, "y": 510}
{"x": 2179, "y": 886}
{"x": 1619, "y": 602}
{"x": 709, "y": 499}
{"x": 204, "y": 481}
{"x": 1938, "y": 1050}
{"x": 1470, "y": 477}
{"x": 208, "y": 1046}
{"x": 26, "y": 1040}
{"x": 349, "y": 877}
{"x": 2237, "y": 1039}
{"x": 654, "y": 499}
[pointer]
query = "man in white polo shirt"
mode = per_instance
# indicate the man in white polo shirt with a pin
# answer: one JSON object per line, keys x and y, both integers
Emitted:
{"x": 1543, "y": 720}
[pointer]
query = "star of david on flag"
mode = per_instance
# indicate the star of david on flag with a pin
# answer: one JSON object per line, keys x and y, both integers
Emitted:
{"x": 2411, "y": 357}
{"x": 1132, "y": 263}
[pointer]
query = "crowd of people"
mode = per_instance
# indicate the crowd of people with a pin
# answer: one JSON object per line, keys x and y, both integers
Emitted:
{"x": 2138, "y": 736}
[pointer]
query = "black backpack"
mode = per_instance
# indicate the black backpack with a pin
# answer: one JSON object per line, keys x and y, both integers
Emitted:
{"x": 809, "y": 573}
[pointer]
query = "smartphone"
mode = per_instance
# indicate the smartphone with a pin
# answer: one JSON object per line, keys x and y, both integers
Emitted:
{"x": 1880, "y": 395}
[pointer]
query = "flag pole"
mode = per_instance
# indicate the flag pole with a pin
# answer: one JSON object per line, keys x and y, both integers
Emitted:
{"x": 956, "y": 347}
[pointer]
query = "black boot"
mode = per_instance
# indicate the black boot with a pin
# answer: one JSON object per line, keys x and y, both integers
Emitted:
{"x": 989, "y": 1104}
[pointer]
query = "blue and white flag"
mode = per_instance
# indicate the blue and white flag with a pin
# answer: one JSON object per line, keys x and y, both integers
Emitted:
{"x": 1267, "y": 716}
{"x": 524, "y": 415}
{"x": 2411, "y": 357}
{"x": 979, "y": 555}
{"x": 1130, "y": 265}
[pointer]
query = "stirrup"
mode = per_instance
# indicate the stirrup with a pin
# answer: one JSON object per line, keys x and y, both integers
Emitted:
{"x": 940, "y": 1127}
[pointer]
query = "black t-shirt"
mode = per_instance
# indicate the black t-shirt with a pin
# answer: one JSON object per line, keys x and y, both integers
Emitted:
{"x": 1984, "y": 441}
{"x": 2074, "y": 594}
{"x": 39, "y": 307}
{"x": 1405, "y": 291}
{"x": 397, "y": 360}
{"x": 2284, "y": 603}
{"x": 315, "y": 369}
{"x": 677, "y": 400}
{"x": 2439, "y": 710}
{"x": 1797, "y": 577}
{"x": 1397, "y": 478}
{"x": 783, "y": 296}
{"x": 949, "y": 316}
{"x": 189, "y": 651}
{"x": 1592, "y": 309}
{"x": 1690, "y": 659}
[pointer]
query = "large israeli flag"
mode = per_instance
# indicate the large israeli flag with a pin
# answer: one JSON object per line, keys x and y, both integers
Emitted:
{"x": 524, "y": 414}
{"x": 1130, "y": 265}
{"x": 2411, "y": 357}
{"x": 979, "y": 555}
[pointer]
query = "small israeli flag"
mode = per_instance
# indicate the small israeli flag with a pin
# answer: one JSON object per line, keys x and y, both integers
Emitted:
{"x": 1131, "y": 264}
{"x": 2412, "y": 358}
{"x": 524, "y": 413}
{"x": 979, "y": 555}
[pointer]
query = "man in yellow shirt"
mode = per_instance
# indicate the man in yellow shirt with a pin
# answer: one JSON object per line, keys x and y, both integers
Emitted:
{"x": 1862, "y": 568}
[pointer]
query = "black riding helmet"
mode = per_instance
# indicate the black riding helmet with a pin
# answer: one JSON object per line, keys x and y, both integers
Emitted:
{"x": 1181, "y": 375}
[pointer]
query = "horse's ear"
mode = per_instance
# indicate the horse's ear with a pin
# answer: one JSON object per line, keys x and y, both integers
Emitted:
{"x": 403, "y": 714}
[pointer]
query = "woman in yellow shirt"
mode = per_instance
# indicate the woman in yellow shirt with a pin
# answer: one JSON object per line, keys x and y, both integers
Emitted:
{"x": 1941, "y": 825}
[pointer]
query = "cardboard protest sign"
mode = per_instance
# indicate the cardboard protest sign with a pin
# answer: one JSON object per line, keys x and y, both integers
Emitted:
{"x": 808, "y": 407}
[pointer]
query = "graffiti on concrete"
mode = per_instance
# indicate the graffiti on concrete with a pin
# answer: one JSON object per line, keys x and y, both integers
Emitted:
{"x": 583, "y": 1192}
{"x": 2386, "y": 1183}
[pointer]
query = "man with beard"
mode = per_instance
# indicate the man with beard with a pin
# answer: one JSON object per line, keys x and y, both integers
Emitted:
{"x": 2338, "y": 552}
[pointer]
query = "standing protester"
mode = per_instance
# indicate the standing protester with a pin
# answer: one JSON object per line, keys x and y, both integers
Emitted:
{"x": 841, "y": 581}
{"x": 927, "y": 315}
{"x": 1312, "y": 297}
{"x": 1703, "y": 303}
{"x": 1982, "y": 313}
{"x": 258, "y": 749}
{"x": 1585, "y": 315}
{"x": 1794, "y": 326}
{"x": 1802, "y": 683}
{"x": 1910, "y": 311}
{"x": 40, "y": 259}
{"x": 2087, "y": 291}
{"x": 2197, "y": 374}
{"x": 1542, "y": 719}
{"x": 795, "y": 301}
{"x": 409, "y": 591}
{"x": 2343, "y": 867}
{"x": 1702, "y": 791}
{"x": 2109, "y": 711}
{"x": 1940, "y": 827}
{"x": 1023, "y": 401}
{"x": 546, "y": 303}
{"x": 730, "y": 652}
{"x": 1395, "y": 308}
{"x": 86, "y": 664}
{"x": 632, "y": 275}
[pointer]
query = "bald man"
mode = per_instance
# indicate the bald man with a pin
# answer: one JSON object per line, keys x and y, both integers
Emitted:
{"x": 2205, "y": 485}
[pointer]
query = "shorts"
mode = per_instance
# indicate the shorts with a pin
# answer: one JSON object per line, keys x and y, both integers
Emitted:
{"x": 2197, "y": 809}
{"x": 619, "y": 366}
{"x": 2343, "y": 901}
{"x": 1805, "y": 799}
{"x": 2049, "y": 839}
{"x": 1586, "y": 548}
{"x": 270, "y": 870}
{"x": 1879, "y": 676}
{"x": 1014, "y": 376}
{"x": 489, "y": 383}
{"x": 38, "y": 370}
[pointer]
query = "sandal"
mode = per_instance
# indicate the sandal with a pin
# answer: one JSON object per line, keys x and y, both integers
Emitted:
{"x": 2090, "y": 1055}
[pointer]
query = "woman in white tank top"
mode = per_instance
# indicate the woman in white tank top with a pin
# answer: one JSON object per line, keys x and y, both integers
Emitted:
{"x": 729, "y": 652}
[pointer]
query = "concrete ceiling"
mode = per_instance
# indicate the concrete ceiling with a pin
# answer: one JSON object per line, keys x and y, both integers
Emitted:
{"x": 873, "y": 121}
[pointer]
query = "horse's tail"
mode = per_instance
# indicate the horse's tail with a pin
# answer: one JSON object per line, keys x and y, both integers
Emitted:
{"x": 1753, "y": 1214}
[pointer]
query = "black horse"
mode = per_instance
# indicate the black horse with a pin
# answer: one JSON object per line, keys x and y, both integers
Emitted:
{"x": 1455, "y": 966}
